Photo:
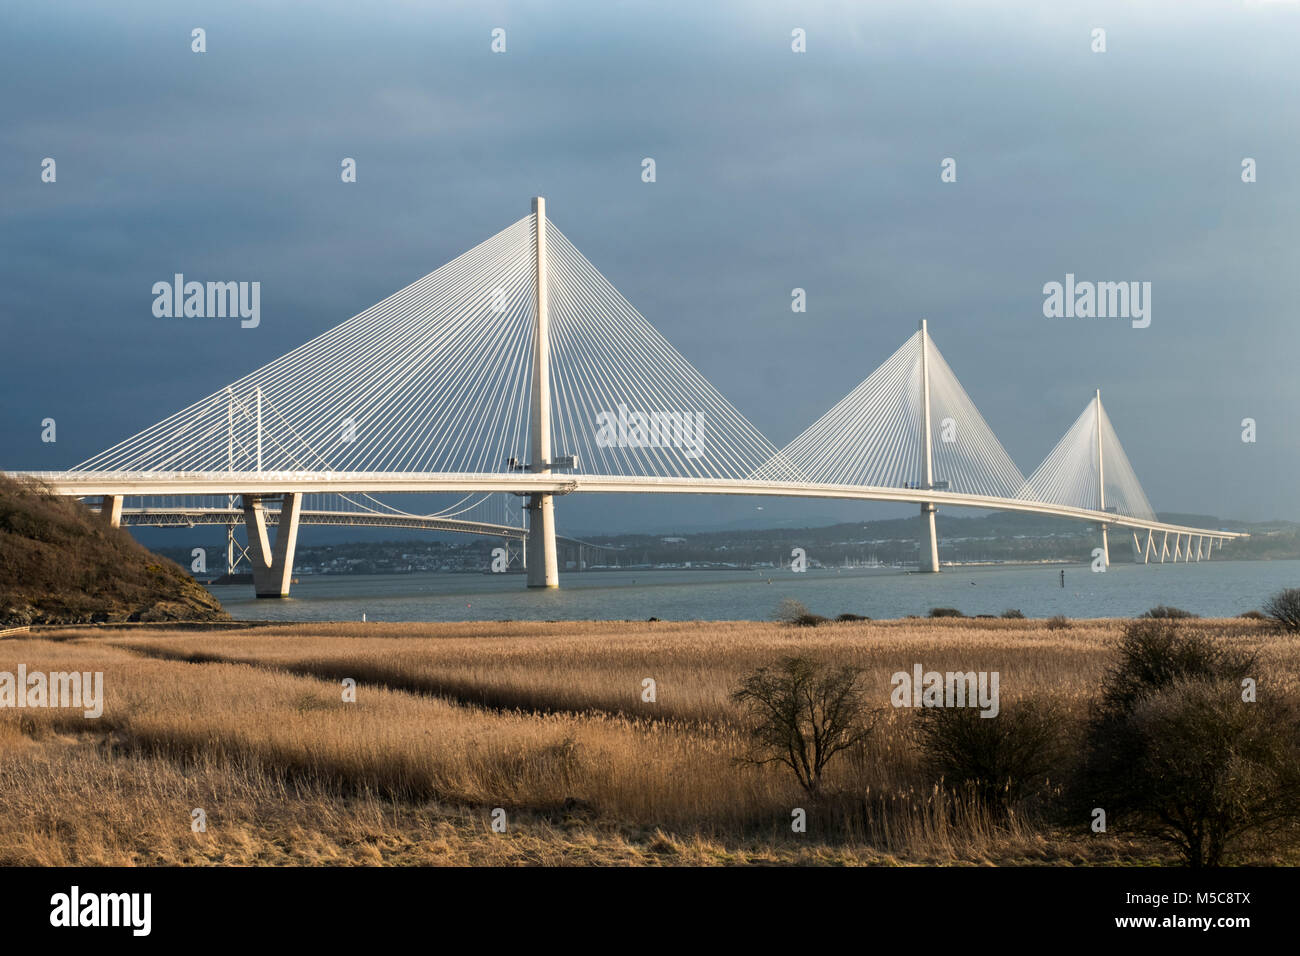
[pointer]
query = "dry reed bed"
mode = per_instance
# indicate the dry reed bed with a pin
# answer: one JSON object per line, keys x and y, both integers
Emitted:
{"x": 600, "y": 666}
{"x": 266, "y": 754}
{"x": 298, "y": 775}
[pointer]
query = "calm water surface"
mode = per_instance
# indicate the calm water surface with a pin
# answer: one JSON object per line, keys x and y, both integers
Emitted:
{"x": 1208, "y": 588}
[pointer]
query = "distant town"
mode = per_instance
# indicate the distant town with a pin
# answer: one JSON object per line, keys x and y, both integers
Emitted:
{"x": 1001, "y": 538}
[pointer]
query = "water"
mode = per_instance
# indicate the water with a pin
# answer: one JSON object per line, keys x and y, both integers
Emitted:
{"x": 1208, "y": 588}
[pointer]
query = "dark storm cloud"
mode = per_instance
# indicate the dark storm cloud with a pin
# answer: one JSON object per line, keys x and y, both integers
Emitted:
{"x": 775, "y": 170}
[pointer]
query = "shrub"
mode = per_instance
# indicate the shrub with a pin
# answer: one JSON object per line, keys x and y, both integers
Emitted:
{"x": 1058, "y": 623}
{"x": 801, "y": 714}
{"x": 1174, "y": 751}
{"x": 1002, "y": 760}
{"x": 1013, "y": 614}
{"x": 794, "y": 614}
{"x": 1161, "y": 612}
{"x": 1156, "y": 652}
{"x": 1255, "y": 616}
{"x": 945, "y": 612}
{"x": 1284, "y": 607}
{"x": 852, "y": 617}
{"x": 1193, "y": 765}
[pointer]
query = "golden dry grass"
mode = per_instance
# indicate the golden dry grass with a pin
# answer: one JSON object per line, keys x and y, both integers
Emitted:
{"x": 543, "y": 720}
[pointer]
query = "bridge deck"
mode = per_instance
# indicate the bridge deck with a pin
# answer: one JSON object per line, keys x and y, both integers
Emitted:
{"x": 84, "y": 484}
{"x": 168, "y": 517}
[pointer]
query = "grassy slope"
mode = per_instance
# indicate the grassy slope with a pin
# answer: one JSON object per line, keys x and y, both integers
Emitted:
{"x": 60, "y": 564}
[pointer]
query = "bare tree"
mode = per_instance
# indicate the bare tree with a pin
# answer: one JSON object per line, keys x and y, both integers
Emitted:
{"x": 802, "y": 713}
{"x": 1284, "y": 607}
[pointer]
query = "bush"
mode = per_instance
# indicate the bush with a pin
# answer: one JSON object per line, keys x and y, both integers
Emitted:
{"x": 810, "y": 620}
{"x": 1160, "y": 612}
{"x": 1284, "y": 607}
{"x": 1255, "y": 616}
{"x": 1175, "y": 752}
{"x": 801, "y": 714}
{"x": 852, "y": 617}
{"x": 794, "y": 614}
{"x": 945, "y": 612}
{"x": 1195, "y": 766}
{"x": 1058, "y": 623}
{"x": 1002, "y": 760}
{"x": 1013, "y": 614}
{"x": 1157, "y": 652}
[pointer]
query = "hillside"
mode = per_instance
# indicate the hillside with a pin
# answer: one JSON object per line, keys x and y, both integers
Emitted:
{"x": 60, "y": 565}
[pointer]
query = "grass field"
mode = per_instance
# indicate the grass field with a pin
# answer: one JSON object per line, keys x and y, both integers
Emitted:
{"x": 544, "y": 721}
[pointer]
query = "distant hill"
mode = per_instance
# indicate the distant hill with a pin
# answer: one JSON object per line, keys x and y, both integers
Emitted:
{"x": 996, "y": 536}
{"x": 59, "y": 564}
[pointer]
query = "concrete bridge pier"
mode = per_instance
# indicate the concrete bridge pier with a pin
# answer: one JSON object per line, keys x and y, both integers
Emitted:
{"x": 543, "y": 570}
{"x": 540, "y": 560}
{"x": 272, "y": 564}
{"x": 110, "y": 509}
{"x": 927, "y": 558}
{"x": 1101, "y": 484}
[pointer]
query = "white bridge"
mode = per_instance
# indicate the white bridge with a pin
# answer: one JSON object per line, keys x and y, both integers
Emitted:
{"x": 518, "y": 369}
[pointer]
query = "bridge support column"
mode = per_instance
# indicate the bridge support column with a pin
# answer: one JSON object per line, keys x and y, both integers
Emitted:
{"x": 927, "y": 558}
{"x": 1164, "y": 547}
{"x": 110, "y": 509}
{"x": 1137, "y": 549}
{"x": 1146, "y": 552}
{"x": 230, "y": 548}
{"x": 543, "y": 569}
{"x": 1101, "y": 487}
{"x": 272, "y": 564}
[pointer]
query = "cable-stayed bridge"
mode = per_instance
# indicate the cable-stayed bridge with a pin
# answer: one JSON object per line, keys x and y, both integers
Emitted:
{"x": 518, "y": 369}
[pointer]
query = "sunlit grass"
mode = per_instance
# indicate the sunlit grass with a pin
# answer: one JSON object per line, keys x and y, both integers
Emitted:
{"x": 546, "y": 721}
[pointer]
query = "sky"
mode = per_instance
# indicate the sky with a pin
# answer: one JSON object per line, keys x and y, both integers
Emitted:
{"x": 774, "y": 170}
